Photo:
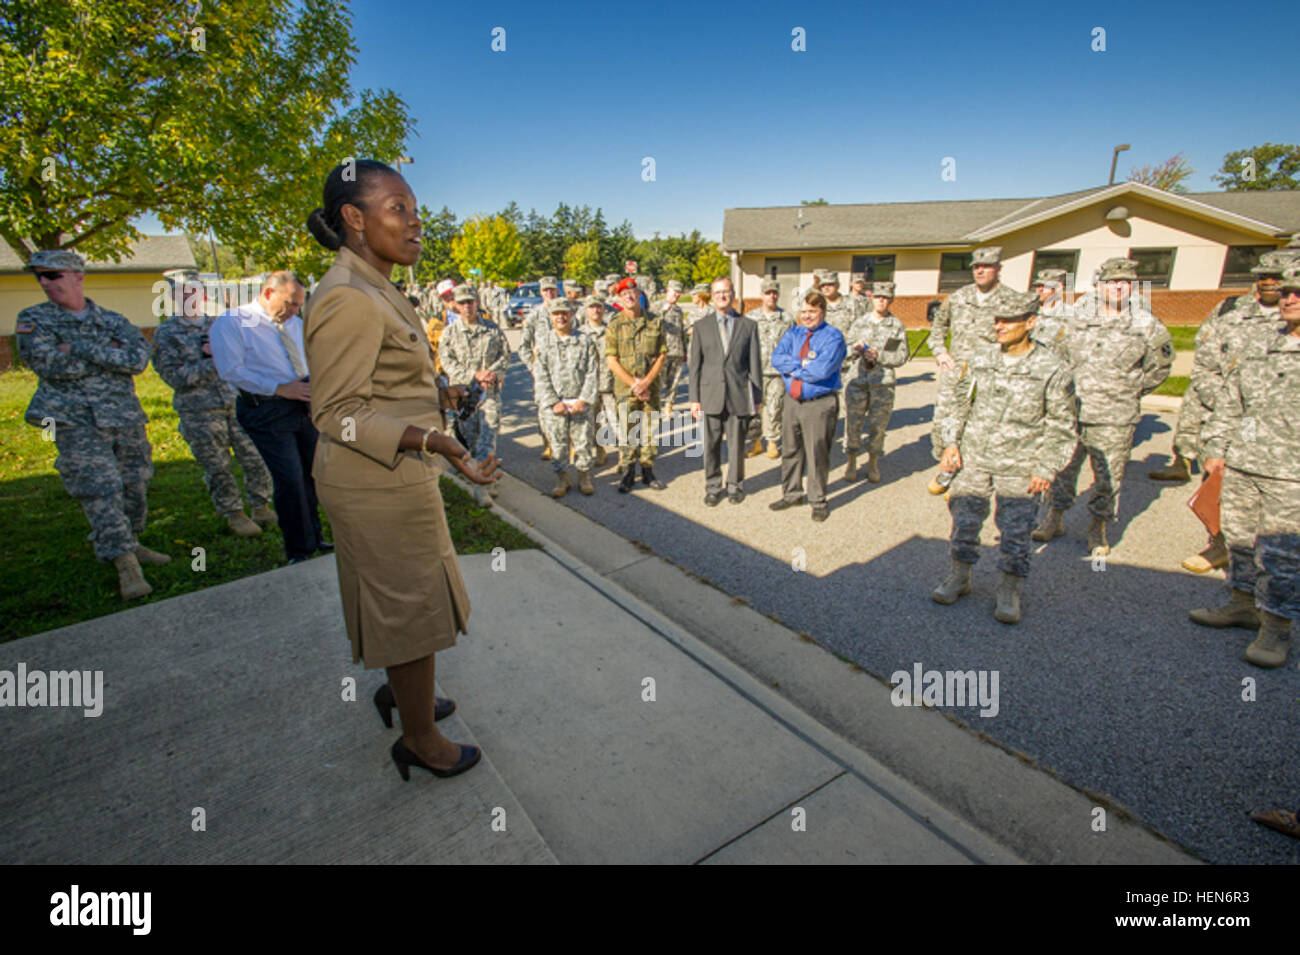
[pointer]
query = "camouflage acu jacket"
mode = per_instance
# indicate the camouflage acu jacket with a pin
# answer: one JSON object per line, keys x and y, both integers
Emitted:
{"x": 466, "y": 348}
{"x": 771, "y": 328}
{"x": 674, "y": 333}
{"x": 93, "y": 384}
{"x": 605, "y": 383}
{"x": 842, "y": 314}
{"x": 889, "y": 339}
{"x": 568, "y": 367}
{"x": 179, "y": 360}
{"x": 1013, "y": 416}
{"x": 1217, "y": 342}
{"x": 969, "y": 323}
{"x": 1254, "y": 424}
{"x": 1115, "y": 360}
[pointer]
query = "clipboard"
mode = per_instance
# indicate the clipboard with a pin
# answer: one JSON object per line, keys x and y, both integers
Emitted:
{"x": 1205, "y": 502}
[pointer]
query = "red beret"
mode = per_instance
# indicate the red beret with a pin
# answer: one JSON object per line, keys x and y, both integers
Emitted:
{"x": 627, "y": 283}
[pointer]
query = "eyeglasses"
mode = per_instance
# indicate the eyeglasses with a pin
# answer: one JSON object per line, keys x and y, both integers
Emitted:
{"x": 49, "y": 276}
{"x": 1287, "y": 292}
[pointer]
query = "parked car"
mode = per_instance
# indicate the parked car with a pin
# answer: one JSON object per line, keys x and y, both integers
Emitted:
{"x": 522, "y": 300}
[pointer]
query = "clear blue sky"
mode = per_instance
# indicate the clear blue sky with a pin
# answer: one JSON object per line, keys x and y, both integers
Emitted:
{"x": 884, "y": 91}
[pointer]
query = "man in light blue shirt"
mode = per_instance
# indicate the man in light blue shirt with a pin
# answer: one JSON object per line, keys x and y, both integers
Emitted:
{"x": 258, "y": 348}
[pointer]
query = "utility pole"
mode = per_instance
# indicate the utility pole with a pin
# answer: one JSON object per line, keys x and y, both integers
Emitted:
{"x": 1114, "y": 158}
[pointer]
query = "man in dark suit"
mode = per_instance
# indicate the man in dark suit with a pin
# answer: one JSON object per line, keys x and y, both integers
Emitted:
{"x": 726, "y": 380}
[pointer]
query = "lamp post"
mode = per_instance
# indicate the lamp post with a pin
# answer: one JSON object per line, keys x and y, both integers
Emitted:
{"x": 397, "y": 164}
{"x": 1114, "y": 158}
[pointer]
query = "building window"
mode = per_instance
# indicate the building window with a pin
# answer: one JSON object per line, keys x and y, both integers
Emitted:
{"x": 954, "y": 271}
{"x": 1238, "y": 263}
{"x": 1057, "y": 259}
{"x": 1153, "y": 265}
{"x": 876, "y": 268}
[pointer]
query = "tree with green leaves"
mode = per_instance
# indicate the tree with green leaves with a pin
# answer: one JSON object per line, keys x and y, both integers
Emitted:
{"x": 437, "y": 262}
{"x": 223, "y": 116}
{"x": 1270, "y": 166}
{"x": 711, "y": 264}
{"x": 1168, "y": 175}
{"x": 819, "y": 201}
{"x": 582, "y": 262}
{"x": 489, "y": 249}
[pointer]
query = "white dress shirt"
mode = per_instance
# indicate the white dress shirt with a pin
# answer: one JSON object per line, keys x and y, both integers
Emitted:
{"x": 248, "y": 351}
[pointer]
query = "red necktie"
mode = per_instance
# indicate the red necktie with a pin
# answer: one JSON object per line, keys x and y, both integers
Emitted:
{"x": 796, "y": 386}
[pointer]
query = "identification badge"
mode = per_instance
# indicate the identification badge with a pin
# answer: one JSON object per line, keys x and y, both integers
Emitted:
{"x": 812, "y": 354}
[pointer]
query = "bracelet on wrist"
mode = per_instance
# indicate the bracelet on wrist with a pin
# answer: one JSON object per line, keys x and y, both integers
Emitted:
{"x": 424, "y": 443}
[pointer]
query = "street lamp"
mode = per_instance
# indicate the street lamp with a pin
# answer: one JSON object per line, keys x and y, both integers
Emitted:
{"x": 397, "y": 163}
{"x": 1114, "y": 158}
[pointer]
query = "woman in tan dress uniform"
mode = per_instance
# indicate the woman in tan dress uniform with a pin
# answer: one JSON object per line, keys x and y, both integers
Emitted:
{"x": 375, "y": 401}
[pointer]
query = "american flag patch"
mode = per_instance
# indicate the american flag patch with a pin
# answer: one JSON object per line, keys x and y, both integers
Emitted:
{"x": 23, "y": 327}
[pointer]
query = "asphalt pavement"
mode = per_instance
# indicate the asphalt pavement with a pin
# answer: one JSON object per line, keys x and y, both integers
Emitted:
{"x": 1105, "y": 682}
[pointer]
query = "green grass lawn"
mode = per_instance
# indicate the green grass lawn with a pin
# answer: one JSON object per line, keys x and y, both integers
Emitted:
{"x": 1175, "y": 385}
{"x": 50, "y": 575}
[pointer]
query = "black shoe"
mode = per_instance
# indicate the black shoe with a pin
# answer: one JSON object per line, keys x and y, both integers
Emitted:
{"x": 783, "y": 503}
{"x": 629, "y": 479}
{"x": 385, "y": 703}
{"x": 296, "y": 560}
{"x": 649, "y": 480}
{"x": 819, "y": 512}
{"x": 712, "y": 498}
{"x": 405, "y": 759}
{"x": 735, "y": 497}
{"x": 325, "y": 548}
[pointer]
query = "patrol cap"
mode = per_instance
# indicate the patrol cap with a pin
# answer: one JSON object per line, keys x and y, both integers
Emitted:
{"x": 883, "y": 288}
{"x": 561, "y": 304}
{"x": 1291, "y": 277}
{"x": 1052, "y": 278}
{"x": 466, "y": 293}
{"x": 769, "y": 285}
{"x": 1016, "y": 305}
{"x": 829, "y": 278}
{"x": 1272, "y": 263}
{"x": 61, "y": 260}
{"x": 986, "y": 255}
{"x": 445, "y": 287}
{"x": 700, "y": 289}
{"x": 548, "y": 281}
{"x": 1117, "y": 268}
{"x": 593, "y": 300}
{"x": 857, "y": 277}
{"x": 600, "y": 285}
{"x": 1295, "y": 241}
{"x": 673, "y": 285}
{"x": 613, "y": 277}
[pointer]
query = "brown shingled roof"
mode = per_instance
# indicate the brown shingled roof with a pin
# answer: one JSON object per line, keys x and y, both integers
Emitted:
{"x": 151, "y": 253}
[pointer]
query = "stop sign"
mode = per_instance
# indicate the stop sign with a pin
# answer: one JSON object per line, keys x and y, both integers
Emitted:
{"x": 630, "y": 266}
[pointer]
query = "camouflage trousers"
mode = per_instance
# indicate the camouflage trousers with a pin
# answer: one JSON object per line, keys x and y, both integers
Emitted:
{"x": 480, "y": 432}
{"x": 944, "y": 406}
{"x": 1261, "y": 525}
{"x": 604, "y": 420}
{"x": 968, "y": 502}
{"x": 668, "y": 378}
{"x": 1107, "y": 446}
{"x": 211, "y": 435}
{"x": 767, "y": 424}
{"x": 107, "y": 470}
{"x": 1187, "y": 433}
{"x": 869, "y": 404}
{"x": 638, "y": 426}
{"x": 568, "y": 432}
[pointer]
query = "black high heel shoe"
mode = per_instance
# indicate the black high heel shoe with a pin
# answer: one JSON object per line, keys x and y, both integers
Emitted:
{"x": 405, "y": 759}
{"x": 385, "y": 703}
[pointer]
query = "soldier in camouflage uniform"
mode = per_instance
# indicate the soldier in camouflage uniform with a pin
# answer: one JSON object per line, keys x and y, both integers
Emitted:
{"x": 86, "y": 357}
{"x": 966, "y": 315}
{"x": 1250, "y": 436}
{"x": 474, "y": 349}
{"x": 1053, "y": 311}
{"x": 635, "y": 351}
{"x": 1011, "y": 429}
{"x": 537, "y": 328}
{"x": 1217, "y": 341}
{"x": 841, "y": 312}
{"x": 877, "y": 344}
{"x": 568, "y": 381}
{"x": 595, "y": 328}
{"x": 773, "y": 322}
{"x": 860, "y": 294}
{"x": 670, "y": 313}
{"x": 1118, "y": 352}
{"x": 205, "y": 407}
{"x": 701, "y": 305}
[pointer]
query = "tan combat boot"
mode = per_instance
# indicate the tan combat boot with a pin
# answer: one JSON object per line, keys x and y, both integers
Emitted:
{"x": 1239, "y": 611}
{"x": 264, "y": 516}
{"x": 957, "y": 584}
{"x": 546, "y": 450}
{"x": 130, "y": 580}
{"x": 1097, "y": 537}
{"x": 146, "y": 556}
{"x": 873, "y": 468}
{"x": 584, "y": 482}
{"x": 1177, "y": 471}
{"x": 851, "y": 468}
{"x": 755, "y": 449}
{"x": 1273, "y": 643}
{"x": 561, "y": 484}
{"x": 1008, "y": 608}
{"x": 242, "y": 526}
{"x": 601, "y": 455}
{"x": 772, "y": 450}
{"x": 1051, "y": 526}
{"x": 1213, "y": 557}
